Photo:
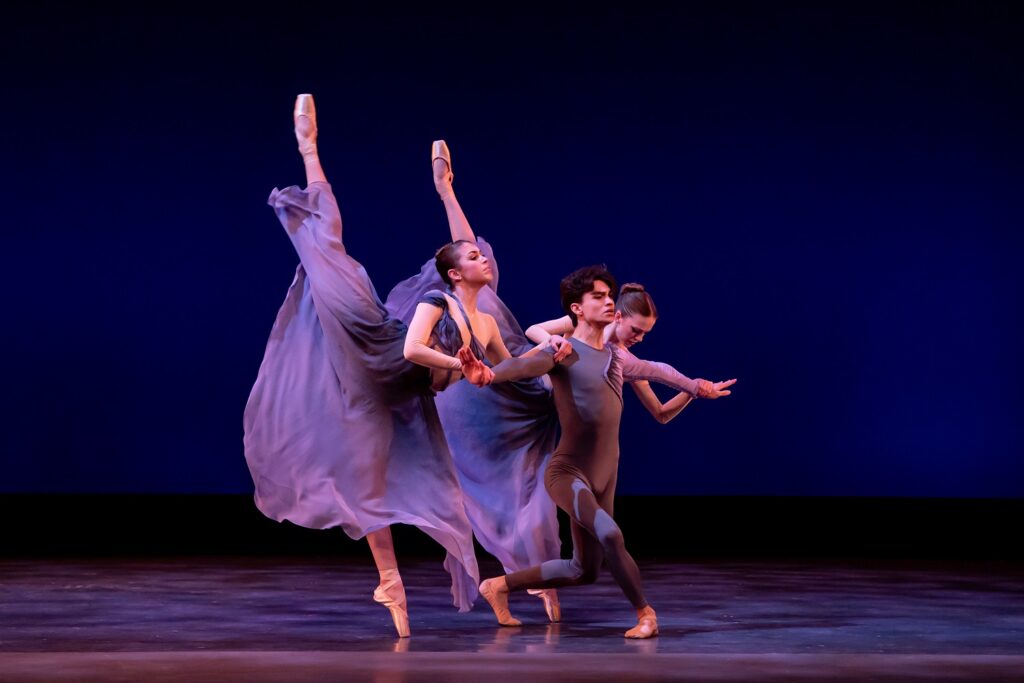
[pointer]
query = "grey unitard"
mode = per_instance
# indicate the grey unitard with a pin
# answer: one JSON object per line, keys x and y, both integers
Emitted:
{"x": 581, "y": 475}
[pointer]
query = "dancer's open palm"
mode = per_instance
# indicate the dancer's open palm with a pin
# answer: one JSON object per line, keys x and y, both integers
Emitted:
{"x": 708, "y": 389}
{"x": 473, "y": 369}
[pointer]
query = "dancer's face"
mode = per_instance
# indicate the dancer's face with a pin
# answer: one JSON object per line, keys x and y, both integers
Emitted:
{"x": 473, "y": 267}
{"x": 631, "y": 329}
{"x": 597, "y": 306}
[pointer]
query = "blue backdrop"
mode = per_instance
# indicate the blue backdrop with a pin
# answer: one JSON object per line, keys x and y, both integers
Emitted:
{"x": 823, "y": 198}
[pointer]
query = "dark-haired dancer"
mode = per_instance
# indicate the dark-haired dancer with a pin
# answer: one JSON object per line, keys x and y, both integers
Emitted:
{"x": 340, "y": 427}
{"x": 500, "y": 438}
{"x": 635, "y": 316}
{"x": 582, "y": 473}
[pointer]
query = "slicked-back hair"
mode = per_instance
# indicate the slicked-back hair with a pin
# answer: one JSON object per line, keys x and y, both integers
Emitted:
{"x": 576, "y": 284}
{"x": 447, "y": 257}
{"x": 633, "y": 299}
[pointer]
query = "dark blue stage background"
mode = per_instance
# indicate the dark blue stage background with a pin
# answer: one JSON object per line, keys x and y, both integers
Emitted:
{"x": 825, "y": 201}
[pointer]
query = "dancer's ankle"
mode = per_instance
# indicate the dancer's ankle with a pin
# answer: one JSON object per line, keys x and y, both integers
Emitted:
{"x": 442, "y": 179}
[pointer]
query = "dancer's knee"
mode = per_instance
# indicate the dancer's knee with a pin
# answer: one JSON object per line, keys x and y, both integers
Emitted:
{"x": 608, "y": 532}
{"x": 584, "y": 574}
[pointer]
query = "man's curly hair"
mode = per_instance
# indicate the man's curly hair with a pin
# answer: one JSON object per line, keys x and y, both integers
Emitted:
{"x": 579, "y": 282}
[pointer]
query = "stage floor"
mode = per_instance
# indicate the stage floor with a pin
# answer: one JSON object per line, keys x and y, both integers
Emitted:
{"x": 312, "y": 619}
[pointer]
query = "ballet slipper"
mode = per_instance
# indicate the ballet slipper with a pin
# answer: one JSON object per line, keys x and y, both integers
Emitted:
{"x": 551, "y": 604}
{"x": 495, "y": 592}
{"x": 391, "y": 594}
{"x": 443, "y": 175}
{"x": 646, "y": 626}
{"x": 305, "y": 123}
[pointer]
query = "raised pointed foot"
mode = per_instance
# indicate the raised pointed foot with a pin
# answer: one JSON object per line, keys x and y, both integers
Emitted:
{"x": 495, "y": 592}
{"x": 441, "y": 162}
{"x": 305, "y": 123}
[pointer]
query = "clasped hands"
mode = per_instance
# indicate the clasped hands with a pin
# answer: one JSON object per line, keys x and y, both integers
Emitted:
{"x": 478, "y": 374}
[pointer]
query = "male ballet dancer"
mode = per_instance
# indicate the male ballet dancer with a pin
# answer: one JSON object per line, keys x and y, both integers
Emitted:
{"x": 581, "y": 475}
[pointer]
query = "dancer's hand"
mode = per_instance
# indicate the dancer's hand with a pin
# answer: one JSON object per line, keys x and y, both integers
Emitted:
{"x": 473, "y": 369}
{"x": 706, "y": 389}
{"x": 562, "y": 347}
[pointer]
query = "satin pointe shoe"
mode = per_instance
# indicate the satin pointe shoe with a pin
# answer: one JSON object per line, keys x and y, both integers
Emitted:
{"x": 305, "y": 123}
{"x": 498, "y": 601}
{"x": 391, "y": 594}
{"x": 551, "y": 604}
{"x": 646, "y": 626}
{"x": 442, "y": 178}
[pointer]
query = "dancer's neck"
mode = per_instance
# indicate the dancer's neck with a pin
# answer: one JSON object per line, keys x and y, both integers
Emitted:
{"x": 590, "y": 334}
{"x": 467, "y": 294}
{"x": 609, "y": 336}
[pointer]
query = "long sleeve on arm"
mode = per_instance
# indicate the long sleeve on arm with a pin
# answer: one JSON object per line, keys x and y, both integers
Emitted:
{"x": 634, "y": 369}
{"x": 416, "y": 348}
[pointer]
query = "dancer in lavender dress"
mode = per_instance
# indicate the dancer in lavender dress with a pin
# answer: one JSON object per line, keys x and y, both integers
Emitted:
{"x": 635, "y": 316}
{"x": 340, "y": 428}
{"x": 501, "y": 438}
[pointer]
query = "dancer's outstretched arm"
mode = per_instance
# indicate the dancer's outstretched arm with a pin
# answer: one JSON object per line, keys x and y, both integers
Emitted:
{"x": 662, "y": 412}
{"x": 508, "y": 370}
{"x": 634, "y": 369}
{"x": 541, "y": 332}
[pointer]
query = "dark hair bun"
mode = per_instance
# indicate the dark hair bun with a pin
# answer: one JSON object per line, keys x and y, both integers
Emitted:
{"x": 630, "y": 287}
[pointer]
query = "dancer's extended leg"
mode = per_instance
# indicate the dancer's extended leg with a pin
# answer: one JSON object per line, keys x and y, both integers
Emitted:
{"x": 390, "y": 592}
{"x": 441, "y": 161}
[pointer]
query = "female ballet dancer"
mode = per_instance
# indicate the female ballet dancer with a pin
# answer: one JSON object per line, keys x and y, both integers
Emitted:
{"x": 582, "y": 473}
{"x": 340, "y": 428}
{"x": 500, "y": 438}
{"x": 635, "y": 315}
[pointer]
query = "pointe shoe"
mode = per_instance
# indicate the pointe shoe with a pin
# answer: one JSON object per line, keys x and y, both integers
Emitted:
{"x": 442, "y": 180}
{"x": 305, "y": 123}
{"x": 498, "y": 601}
{"x": 551, "y": 604}
{"x": 646, "y": 626}
{"x": 391, "y": 594}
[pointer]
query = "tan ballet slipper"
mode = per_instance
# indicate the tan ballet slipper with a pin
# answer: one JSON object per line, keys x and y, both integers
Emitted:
{"x": 646, "y": 626}
{"x": 495, "y": 592}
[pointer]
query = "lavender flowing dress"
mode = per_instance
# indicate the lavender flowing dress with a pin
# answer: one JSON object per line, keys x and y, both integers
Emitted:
{"x": 501, "y": 437}
{"x": 340, "y": 429}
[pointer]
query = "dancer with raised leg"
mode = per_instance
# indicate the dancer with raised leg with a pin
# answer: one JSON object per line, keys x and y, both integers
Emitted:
{"x": 500, "y": 438}
{"x": 340, "y": 428}
{"x": 583, "y": 470}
